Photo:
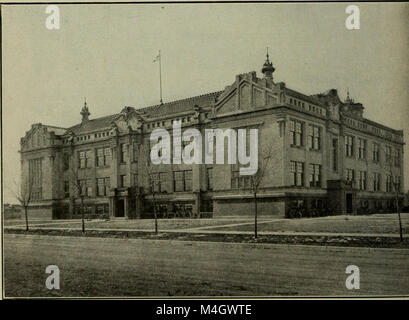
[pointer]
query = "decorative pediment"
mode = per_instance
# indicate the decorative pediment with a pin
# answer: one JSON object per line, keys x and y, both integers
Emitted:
{"x": 247, "y": 93}
{"x": 127, "y": 120}
{"x": 37, "y": 137}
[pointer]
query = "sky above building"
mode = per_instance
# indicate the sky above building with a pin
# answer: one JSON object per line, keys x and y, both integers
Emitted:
{"x": 105, "y": 53}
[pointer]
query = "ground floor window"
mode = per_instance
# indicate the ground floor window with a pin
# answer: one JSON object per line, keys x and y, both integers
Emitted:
{"x": 182, "y": 180}
{"x": 240, "y": 181}
{"x": 316, "y": 204}
{"x": 101, "y": 209}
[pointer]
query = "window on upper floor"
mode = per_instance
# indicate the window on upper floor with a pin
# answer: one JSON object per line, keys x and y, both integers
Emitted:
{"x": 349, "y": 146}
{"x": 134, "y": 179}
{"x": 361, "y": 148}
{"x": 389, "y": 183}
{"x": 135, "y": 151}
{"x": 397, "y": 158}
{"x": 376, "y": 181}
{"x": 362, "y": 180}
{"x": 123, "y": 181}
{"x": 85, "y": 187}
{"x": 375, "y": 152}
{"x": 66, "y": 189}
{"x": 314, "y": 137}
{"x": 335, "y": 155}
{"x": 315, "y": 175}
{"x": 103, "y": 185}
{"x": 84, "y": 159}
{"x": 35, "y": 179}
{"x": 66, "y": 161}
{"x": 397, "y": 184}
{"x": 296, "y": 132}
{"x": 103, "y": 157}
{"x": 388, "y": 154}
{"x": 124, "y": 152}
{"x": 349, "y": 175}
{"x": 297, "y": 173}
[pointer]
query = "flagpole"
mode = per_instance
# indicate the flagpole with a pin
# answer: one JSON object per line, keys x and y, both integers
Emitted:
{"x": 160, "y": 77}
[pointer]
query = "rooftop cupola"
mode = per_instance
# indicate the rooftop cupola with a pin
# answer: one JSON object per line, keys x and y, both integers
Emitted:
{"x": 268, "y": 68}
{"x": 348, "y": 98}
{"x": 85, "y": 112}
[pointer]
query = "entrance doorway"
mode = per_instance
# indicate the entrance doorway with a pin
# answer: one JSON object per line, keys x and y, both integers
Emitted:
{"x": 349, "y": 202}
{"x": 120, "y": 210}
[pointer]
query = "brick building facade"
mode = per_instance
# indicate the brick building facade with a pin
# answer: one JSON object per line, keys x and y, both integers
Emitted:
{"x": 325, "y": 153}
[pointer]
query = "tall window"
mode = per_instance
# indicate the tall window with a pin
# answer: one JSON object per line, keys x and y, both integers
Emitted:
{"x": 375, "y": 152}
{"x": 376, "y": 181}
{"x": 349, "y": 175}
{"x": 103, "y": 157}
{"x": 89, "y": 188}
{"x": 297, "y": 173}
{"x": 362, "y": 180}
{"x": 209, "y": 173}
{"x": 124, "y": 152}
{"x": 349, "y": 146}
{"x": 134, "y": 152}
{"x": 66, "y": 189}
{"x": 35, "y": 177}
{"x": 159, "y": 182}
{"x": 85, "y": 159}
{"x": 102, "y": 186}
{"x": 335, "y": 154}
{"x": 397, "y": 158}
{"x": 361, "y": 148}
{"x": 239, "y": 181}
{"x": 397, "y": 184}
{"x": 315, "y": 175}
{"x": 389, "y": 183}
{"x": 107, "y": 183}
{"x": 123, "y": 181}
{"x": 134, "y": 179}
{"x": 182, "y": 180}
{"x": 388, "y": 154}
{"x": 188, "y": 180}
{"x": 86, "y": 187}
{"x": 296, "y": 131}
{"x": 66, "y": 161}
{"x": 314, "y": 137}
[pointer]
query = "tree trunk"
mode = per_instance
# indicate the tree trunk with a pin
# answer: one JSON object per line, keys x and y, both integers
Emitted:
{"x": 82, "y": 214}
{"x": 155, "y": 215}
{"x": 26, "y": 216}
{"x": 255, "y": 215}
{"x": 400, "y": 221}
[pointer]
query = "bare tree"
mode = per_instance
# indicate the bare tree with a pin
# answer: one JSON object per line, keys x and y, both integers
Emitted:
{"x": 151, "y": 183}
{"x": 79, "y": 186}
{"x": 394, "y": 172}
{"x": 24, "y": 195}
{"x": 257, "y": 179}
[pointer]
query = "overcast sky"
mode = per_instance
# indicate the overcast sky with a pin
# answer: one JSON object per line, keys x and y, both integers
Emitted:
{"x": 105, "y": 53}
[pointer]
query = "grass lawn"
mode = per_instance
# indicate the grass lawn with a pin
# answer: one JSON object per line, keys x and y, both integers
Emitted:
{"x": 138, "y": 224}
{"x": 377, "y": 223}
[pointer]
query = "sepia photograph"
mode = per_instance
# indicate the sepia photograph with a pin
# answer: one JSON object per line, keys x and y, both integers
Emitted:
{"x": 205, "y": 150}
